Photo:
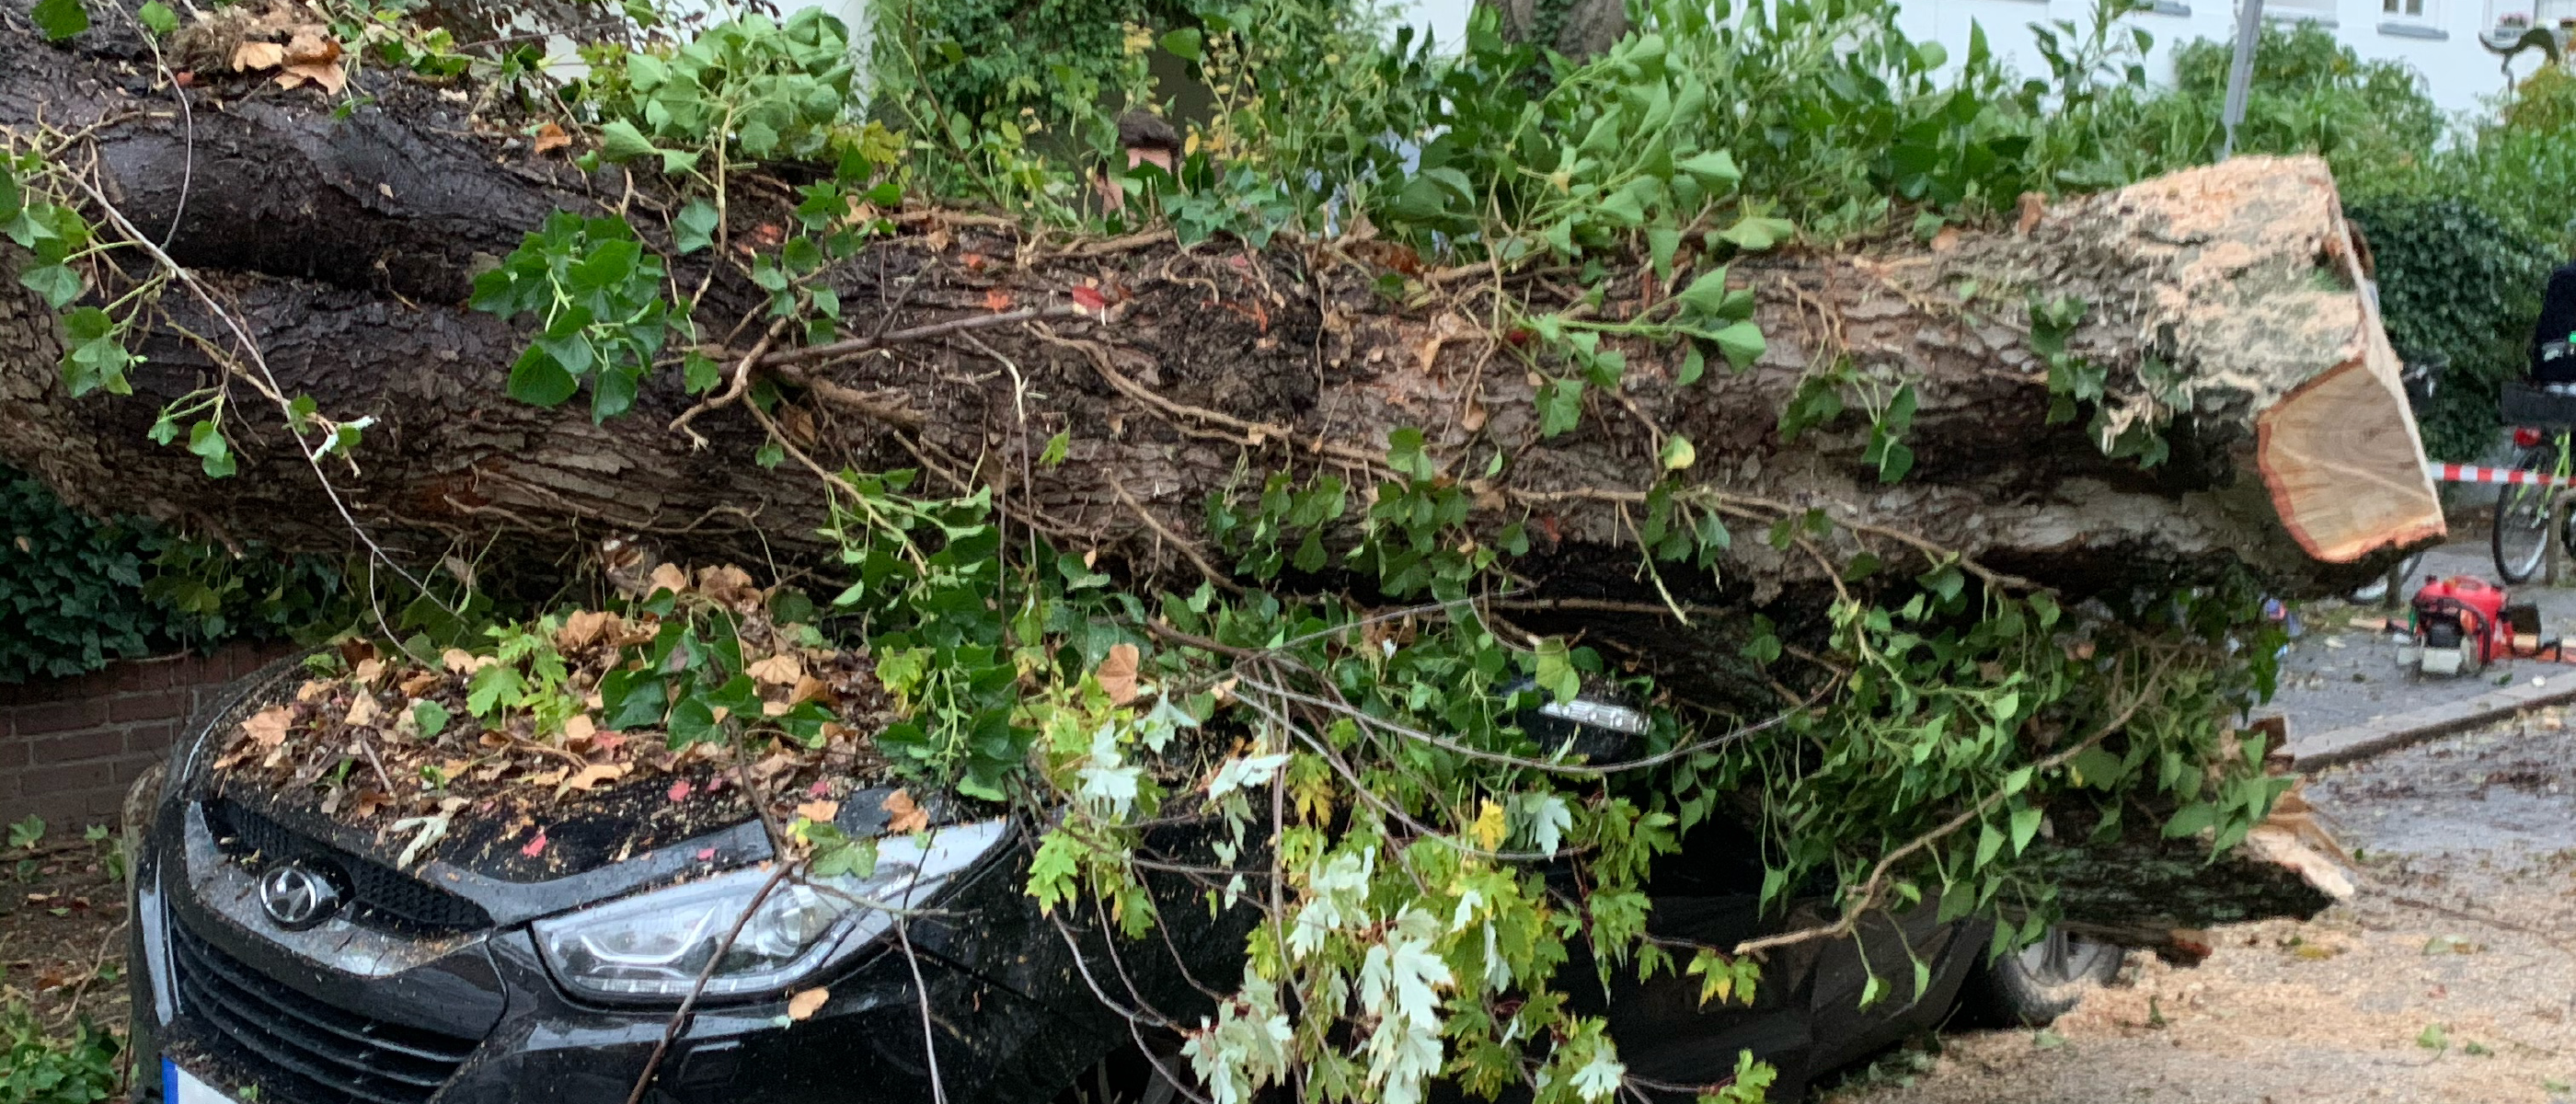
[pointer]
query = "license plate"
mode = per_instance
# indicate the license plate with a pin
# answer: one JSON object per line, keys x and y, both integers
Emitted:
{"x": 178, "y": 1086}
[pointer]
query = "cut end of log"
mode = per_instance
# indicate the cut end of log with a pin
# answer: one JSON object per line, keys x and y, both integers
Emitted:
{"x": 2341, "y": 454}
{"x": 2270, "y": 288}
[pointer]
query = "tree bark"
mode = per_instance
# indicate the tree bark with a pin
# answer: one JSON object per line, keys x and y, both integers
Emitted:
{"x": 346, "y": 245}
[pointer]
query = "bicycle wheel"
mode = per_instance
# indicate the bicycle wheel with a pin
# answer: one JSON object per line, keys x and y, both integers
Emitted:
{"x": 2521, "y": 535}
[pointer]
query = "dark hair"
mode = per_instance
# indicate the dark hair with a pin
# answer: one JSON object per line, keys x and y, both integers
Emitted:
{"x": 1145, "y": 130}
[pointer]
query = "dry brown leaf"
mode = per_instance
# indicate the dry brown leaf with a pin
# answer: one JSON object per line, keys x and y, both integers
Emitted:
{"x": 808, "y": 688}
{"x": 721, "y": 712}
{"x": 551, "y": 138}
{"x": 774, "y": 708}
{"x": 669, "y": 576}
{"x": 268, "y": 726}
{"x": 1117, "y": 673}
{"x": 362, "y": 710}
{"x": 327, "y": 77}
{"x": 419, "y": 683}
{"x": 312, "y": 688}
{"x": 997, "y": 300}
{"x": 580, "y": 728}
{"x": 730, "y": 585}
{"x": 457, "y": 661}
{"x": 778, "y": 670}
{"x": 803, "y": 1005}
{"x": 493, "y": 739}
{"x": 312, "y": 45}
{"x": 367, "y": 803}
{"x": 581, "y": 629}
{"x": 820, "y": 812}
{"x": 252, "y": 56}
{"x": 904, "y": 816}
{"x": 369, "y": 670}
{"x": 590, "y": 777}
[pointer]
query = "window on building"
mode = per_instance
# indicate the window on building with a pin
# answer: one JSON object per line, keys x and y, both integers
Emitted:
{"x": 2403, "y": 9}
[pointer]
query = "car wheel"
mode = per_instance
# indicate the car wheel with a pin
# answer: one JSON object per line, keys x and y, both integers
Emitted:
{"x": 2034, "y": 986}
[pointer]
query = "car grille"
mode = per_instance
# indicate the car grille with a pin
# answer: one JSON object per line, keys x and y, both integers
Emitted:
{"x": 302, "y": 1050}
{"x": 380, "y": 896}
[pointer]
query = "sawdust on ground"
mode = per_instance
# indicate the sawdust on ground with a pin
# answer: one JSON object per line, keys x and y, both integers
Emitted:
{"x": 2450, "y": 977}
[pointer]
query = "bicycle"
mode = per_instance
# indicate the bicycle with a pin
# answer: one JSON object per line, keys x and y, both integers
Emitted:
{"x": 2542, "y": 424}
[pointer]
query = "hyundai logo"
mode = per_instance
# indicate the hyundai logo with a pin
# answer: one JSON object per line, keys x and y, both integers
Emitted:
{"x": 296, "y": 897}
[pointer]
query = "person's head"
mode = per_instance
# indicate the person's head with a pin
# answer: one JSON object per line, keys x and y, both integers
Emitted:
{"x": 1149, "y": 140}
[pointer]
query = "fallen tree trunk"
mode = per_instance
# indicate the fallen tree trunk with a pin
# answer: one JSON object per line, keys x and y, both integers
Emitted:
{"x": 2218, "y": 311}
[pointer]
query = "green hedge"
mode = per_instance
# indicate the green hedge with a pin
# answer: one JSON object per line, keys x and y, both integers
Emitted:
{"x": 2456, "y": 281}
{"x": 76, "y": 592}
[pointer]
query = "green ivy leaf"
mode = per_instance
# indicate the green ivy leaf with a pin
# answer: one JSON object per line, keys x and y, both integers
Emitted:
{"x": 538, "y": 380}
{"x": 429, "y": 717}
{"x": 57, "y": 283}
{"x": 695, "y": 227}
{"x": 59, "y": 19}
{"x": 620, "y": 141}
{"x": 157, "y": 17}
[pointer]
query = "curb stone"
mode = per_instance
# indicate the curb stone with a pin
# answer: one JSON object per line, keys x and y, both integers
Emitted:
{"x": 2361, "y": 741}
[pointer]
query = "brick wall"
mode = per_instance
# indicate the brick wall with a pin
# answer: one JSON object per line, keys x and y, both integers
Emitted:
{"x": 70, "y": 747}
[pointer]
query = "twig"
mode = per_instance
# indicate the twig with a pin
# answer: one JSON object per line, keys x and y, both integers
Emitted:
{"x": 1187, "y": 548}
{"x": 680, "y": 1015}
{"x": 733, "y": 392}
{"x": 916, "y": 333}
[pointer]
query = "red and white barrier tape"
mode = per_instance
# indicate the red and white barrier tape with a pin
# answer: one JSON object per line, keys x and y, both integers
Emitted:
{"x": 2471, "y": 473}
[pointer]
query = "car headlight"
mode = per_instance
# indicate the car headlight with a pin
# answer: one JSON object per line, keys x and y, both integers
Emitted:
{"x": 653, "y": 946}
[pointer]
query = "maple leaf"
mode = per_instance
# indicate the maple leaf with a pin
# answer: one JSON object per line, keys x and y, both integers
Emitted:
{"x": 1117, "y": 673}
{"x": 997, "y": 300}
{"x": 670, "y": 577}
{"x": 777, "y": 670}
{"x": 904, "y": 816}
{"x": 582, "y": 628}
{"x": 803, "y": 1005}
{"x": 268, "y": 726}
{"x": 326, "y": 76}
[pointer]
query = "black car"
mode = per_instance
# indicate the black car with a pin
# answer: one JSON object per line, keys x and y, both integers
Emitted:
{"x": 284, "y": 959}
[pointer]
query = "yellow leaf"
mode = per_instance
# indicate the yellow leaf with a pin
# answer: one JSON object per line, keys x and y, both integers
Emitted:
{"x": 1488, "y": 829}
{"x": 1117, "y": 673}
{"x": 803, "y": 1005}
{"x": 820, "y": 812}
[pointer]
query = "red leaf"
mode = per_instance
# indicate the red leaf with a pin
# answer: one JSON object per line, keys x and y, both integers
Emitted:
{"x": 536, "y": 845}
{"x": 680, "y": 790}
{"x": 1089, "y": 299}
{"x": 997, "y": 300}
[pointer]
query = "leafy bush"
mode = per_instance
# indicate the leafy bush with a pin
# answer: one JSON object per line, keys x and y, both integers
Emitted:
{"x": 2456, "y": 281}
{"x": 76, "y": 593}
{"x": 39, "y": 1067}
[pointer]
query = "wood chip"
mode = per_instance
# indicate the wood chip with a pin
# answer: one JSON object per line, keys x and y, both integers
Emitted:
{"x": 803, "y": 1005}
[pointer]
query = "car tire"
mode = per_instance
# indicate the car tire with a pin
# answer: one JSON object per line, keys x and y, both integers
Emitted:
{"x": 2035, "y": 985}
